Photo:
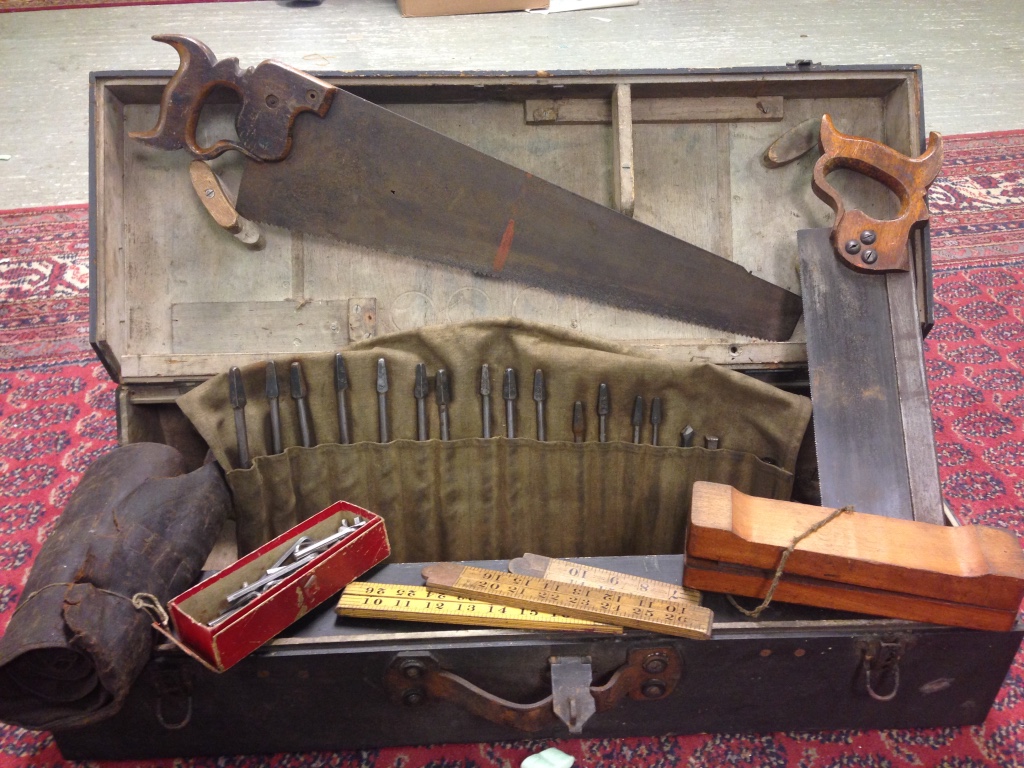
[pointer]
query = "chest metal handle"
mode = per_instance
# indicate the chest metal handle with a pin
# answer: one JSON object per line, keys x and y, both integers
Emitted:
{"x": 413, "y": 679}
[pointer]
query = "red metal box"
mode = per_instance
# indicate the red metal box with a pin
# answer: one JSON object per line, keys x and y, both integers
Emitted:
{"x": 231, "y": 640}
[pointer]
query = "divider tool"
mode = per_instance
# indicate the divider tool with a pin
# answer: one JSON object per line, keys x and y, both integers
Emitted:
{"x": 611, "y": 606}
{"x": 367, "y": 600}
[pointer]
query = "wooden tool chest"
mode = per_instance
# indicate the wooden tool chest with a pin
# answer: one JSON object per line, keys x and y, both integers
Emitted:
{"x": 176, "y": 300}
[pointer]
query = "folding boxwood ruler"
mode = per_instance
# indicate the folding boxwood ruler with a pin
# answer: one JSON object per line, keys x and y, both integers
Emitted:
{"x": 599, "y": 578}
{"x": 605, "y": 605}
{"x": 367, "y": 600}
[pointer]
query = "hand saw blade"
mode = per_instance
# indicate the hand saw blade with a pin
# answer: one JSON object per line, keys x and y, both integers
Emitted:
{"x": 872, "y": 419}
{"x": 366, "y": 175}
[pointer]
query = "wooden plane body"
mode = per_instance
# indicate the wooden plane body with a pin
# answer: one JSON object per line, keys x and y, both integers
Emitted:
{"x": 970, "y": 576}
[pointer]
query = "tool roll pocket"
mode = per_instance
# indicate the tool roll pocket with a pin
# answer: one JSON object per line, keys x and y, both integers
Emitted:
{"x": 477, "y": 498}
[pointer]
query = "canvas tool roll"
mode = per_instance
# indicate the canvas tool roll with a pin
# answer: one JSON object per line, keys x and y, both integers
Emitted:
{"x": 476, "y": 498}
{"x": 136, "y": 523}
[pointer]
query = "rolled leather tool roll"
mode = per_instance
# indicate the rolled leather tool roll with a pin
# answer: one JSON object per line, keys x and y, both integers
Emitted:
{"x": 136, "y": 523}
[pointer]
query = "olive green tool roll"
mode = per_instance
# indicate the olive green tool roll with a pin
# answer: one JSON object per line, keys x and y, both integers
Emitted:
{"x": 474, "y": 498}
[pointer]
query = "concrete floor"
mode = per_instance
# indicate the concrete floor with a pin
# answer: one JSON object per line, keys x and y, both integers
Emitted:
{"x": 972, "y": 55}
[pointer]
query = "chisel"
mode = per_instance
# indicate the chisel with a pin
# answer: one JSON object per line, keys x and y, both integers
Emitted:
{"x": 274, "y": 399}
{"x": 510, "y": 391}
{"x": 443, "y": 395}
{"x": 341, "y": 385}
{"x": 655, "y": 419}
{"x": 420, "y": 388}
{"x": 603, "y": 407}
{"x": 539, "y": 396}
{"x": 485, "y": 400}
{"x": 298, "y": 384}
{"x": 579, "y": 426}
{"x": 382, "y": 399}
{"x": 237, "y": 395}
{"x": 638, "y": 418}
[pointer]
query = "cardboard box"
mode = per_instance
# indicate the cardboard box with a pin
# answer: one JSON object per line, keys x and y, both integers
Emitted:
{"x": 457, "y": 7}
{"x": 231, "y": 640}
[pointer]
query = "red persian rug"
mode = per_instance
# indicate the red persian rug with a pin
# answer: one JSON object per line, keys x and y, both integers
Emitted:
{"x": 56, "y": 417}
{"x": 10, "y": 6}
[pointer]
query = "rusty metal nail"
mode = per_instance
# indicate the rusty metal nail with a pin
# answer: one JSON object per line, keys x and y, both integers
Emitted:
{"x": 766, "y": 653}
{"x": 870, "y": 256}
{"x": 799, "y": 652}
{"x": 852, "y": 246}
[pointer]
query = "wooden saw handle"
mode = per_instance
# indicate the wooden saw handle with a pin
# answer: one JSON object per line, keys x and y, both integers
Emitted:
{"x": 272, "y": 94}
{"x": 865, "y": 243}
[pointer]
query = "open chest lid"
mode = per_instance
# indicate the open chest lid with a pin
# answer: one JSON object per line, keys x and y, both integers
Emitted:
{"x": 176, "y": 299}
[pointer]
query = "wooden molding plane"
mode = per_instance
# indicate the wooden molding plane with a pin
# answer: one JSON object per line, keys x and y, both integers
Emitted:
{"x": 971, "y": 576}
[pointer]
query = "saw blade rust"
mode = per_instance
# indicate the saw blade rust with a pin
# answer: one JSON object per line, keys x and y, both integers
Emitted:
{"x": 368, "y": 176}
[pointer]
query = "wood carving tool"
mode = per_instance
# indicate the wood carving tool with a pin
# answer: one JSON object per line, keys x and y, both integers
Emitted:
{"x": 604, "y": 605}
{"x": 420, "y": 388}
{"x": 236, "y": 392}
{"x": 540, "y": 394}
{"x": 872, "y": 417}
{"x": 341, "y": 387}
{"x": 655, "y": 419}
{"x": 510, "y": 391}
{"x": 382, "y": 400}
{"x": 443, "y": 395}
{"x": 637, "y": 419}
{"x": 363, "y": 174}
{"x": 368, "y": 600}
{"x": 485, "y": 400}
{"x": 298, "y": 387}
{"x": 968, "y": 576}
{"x": 579, "y": 424}
{"x": 603, "y": 408}
{"x": 599, "y": 578}
{"x": 273, "y": 390}
{"x": 686, "y": 437}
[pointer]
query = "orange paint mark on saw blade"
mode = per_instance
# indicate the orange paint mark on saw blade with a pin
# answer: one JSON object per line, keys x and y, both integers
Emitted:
{"x": 505, "y": 246}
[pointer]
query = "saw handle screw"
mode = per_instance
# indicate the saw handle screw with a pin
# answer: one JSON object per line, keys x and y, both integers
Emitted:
{"x": 870, "y": 256}
{"x": 868, "y": 237}
{"x": 852, "y": 246}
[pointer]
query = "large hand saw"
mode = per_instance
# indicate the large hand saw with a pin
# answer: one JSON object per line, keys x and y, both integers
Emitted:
{"x": 362, "y": 174}
{"x": 872, "y": 419}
